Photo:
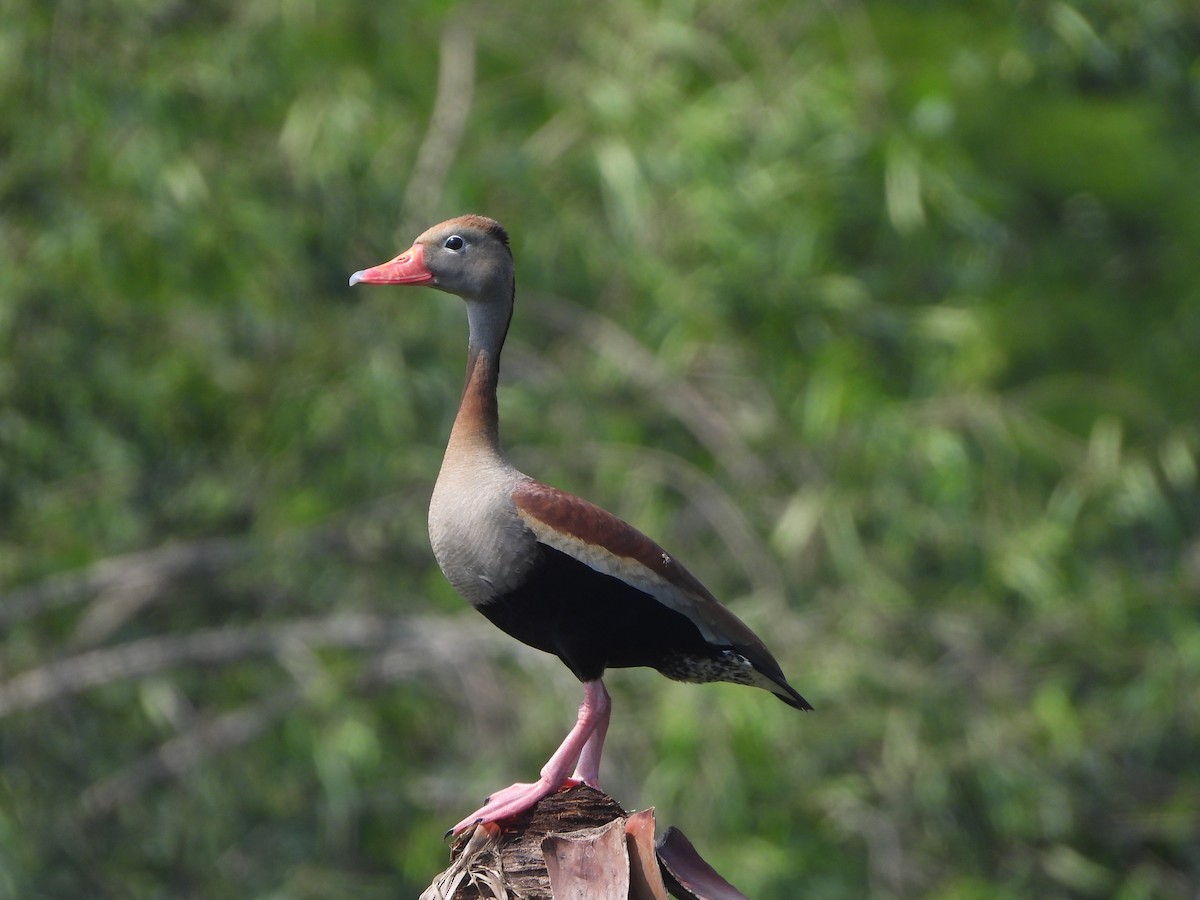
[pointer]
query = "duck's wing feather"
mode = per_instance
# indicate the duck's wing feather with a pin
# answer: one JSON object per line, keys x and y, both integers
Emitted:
{"x": 609, "y": 545}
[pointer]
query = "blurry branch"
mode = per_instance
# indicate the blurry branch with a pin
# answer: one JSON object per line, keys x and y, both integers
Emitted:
{"x": 418, "y": 639}
{"x": 678, "y": 398}
{"x": 121, "y": 586}
{"x": 123, "y": 583}
{"x": 998, "y": 420}
{"x": 428, "y": 645}
{"x": 867, "y": 62}
{"x": 448, "y": 121}
{"x": 182, "y": 753}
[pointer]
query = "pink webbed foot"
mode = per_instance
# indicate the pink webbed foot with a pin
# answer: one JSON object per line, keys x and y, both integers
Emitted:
{"x": 510, "y": 802}
{"x": 580, "y": 751}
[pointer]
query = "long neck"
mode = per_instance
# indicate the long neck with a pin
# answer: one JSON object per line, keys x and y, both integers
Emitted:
{"x": 477, "y": 425}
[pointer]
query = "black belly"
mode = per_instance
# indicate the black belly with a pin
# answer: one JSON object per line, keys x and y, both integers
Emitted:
{"x": 592, "y": 621}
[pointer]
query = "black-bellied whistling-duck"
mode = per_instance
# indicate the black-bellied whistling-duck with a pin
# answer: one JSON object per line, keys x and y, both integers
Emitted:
{"x": 551, "y": 569}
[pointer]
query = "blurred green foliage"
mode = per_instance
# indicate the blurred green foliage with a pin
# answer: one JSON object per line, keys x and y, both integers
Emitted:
{"x": 884, "y": 316}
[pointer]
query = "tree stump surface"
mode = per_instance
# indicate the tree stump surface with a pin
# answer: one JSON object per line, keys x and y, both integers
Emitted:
{"x": 578, "y": 844}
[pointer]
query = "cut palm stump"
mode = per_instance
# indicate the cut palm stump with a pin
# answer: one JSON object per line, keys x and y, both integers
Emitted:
{"x": 578, "y": 844}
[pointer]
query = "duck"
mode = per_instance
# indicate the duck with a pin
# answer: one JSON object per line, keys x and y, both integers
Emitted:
{"x": 549, "y": 568}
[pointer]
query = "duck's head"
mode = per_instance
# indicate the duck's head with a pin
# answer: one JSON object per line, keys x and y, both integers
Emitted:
{"x": 468, "y": 256}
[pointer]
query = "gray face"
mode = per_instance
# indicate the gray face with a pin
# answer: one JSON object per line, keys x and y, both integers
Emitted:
{"x": 468, "y": 261}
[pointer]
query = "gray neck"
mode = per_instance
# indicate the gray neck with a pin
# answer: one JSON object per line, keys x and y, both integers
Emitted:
{"x": 477, "y": 425}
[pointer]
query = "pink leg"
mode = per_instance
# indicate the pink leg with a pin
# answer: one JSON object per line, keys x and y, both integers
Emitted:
{"x": 580, "y": 751}
{"x": 588, "y": 768}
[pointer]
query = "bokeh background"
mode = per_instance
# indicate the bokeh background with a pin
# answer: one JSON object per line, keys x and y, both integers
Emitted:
{"x": 883, "y": 316}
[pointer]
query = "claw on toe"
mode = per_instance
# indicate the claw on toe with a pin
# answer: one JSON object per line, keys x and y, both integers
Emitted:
{"x": 463, "y": 827}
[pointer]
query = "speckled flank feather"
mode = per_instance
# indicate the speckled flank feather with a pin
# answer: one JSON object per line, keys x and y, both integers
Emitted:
{"x": 723, "y": 665}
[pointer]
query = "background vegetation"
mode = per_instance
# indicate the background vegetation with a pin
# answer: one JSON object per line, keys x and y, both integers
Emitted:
{"x": 882, "y": 315}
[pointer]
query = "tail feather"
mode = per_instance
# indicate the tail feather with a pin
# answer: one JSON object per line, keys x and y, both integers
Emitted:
{"x": 790, "y": 696}
{"x": 769, "y": 676}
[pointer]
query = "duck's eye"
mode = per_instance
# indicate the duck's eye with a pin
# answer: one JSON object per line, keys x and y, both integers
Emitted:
{"x": 454, "y": 242}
